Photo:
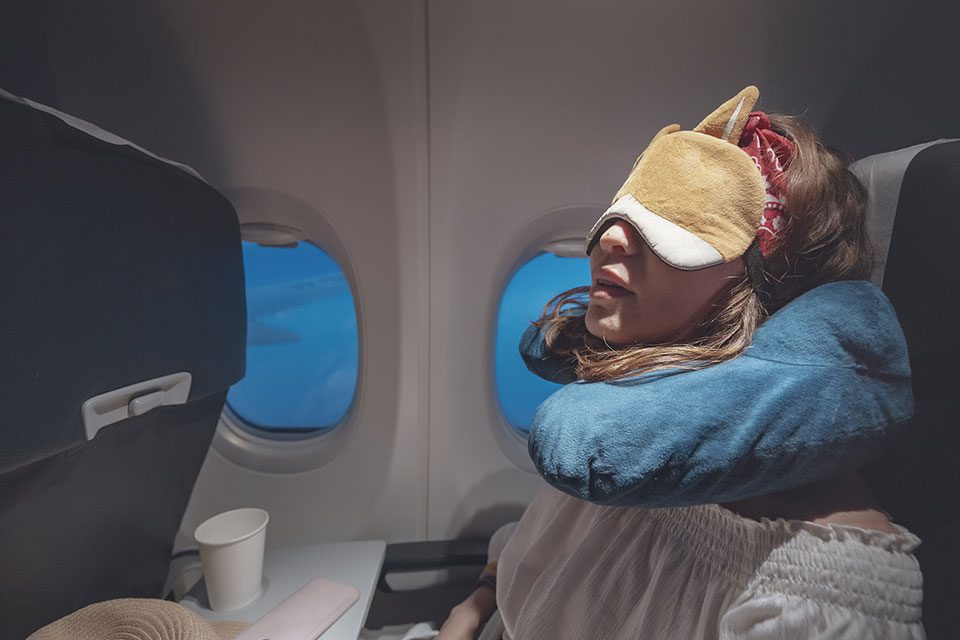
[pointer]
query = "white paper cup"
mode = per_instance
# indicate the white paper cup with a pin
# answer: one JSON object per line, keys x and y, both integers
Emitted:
{"x": 231, "y": 551}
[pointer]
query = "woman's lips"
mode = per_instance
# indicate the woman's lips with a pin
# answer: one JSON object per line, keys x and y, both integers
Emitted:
{"x": 604, "y": 290}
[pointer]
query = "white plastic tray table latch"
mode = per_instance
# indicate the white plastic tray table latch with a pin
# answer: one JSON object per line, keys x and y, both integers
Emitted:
{"x": 134, "y": 400}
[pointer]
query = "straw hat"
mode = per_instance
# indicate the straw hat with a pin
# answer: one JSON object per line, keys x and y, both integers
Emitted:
{"x": 137, "y": 619}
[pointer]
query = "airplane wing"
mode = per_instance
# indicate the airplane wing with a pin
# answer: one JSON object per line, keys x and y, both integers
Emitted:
{"x": 260, "y": 333}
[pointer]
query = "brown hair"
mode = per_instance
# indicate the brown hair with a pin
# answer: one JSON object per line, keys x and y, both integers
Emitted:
{"x": 823, "y": 240}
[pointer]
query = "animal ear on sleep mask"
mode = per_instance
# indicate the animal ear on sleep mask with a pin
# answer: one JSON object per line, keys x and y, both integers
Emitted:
{"x": 823, "y": 389}
{"x": 694, "y": 196}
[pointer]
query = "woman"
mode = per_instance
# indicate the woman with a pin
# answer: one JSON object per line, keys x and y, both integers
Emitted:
{"x": 821, "y": 560}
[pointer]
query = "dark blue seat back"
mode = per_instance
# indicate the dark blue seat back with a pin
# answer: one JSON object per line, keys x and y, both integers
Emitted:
{"x": 115, "y": 268}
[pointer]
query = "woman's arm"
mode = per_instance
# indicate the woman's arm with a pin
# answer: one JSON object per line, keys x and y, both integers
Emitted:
{"x": 465, "y": 619}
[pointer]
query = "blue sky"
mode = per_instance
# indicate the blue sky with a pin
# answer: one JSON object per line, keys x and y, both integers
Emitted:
{"x": 519, "y": 391}
{"x": 304, "y": 374}
{"x": 302, "y": 352}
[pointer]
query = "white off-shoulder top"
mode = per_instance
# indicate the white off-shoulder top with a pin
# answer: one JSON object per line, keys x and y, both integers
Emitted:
{"x": 573, "y": 569}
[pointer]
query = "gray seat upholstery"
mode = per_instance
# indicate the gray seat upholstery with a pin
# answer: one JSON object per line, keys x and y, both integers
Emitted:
{"x": 915, "y": 220}
{"x": 115, "y": 268}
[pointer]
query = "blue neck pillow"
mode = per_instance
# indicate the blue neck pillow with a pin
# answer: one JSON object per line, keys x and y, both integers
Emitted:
{"x": 822, "y": 389}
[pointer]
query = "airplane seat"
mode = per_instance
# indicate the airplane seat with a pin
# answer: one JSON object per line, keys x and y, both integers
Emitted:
{"x": 914, "y": 216}
{"x": 122, "y": 324}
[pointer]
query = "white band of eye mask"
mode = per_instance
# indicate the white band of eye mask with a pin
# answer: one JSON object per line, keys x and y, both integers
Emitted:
{"x": 672, "y": 243}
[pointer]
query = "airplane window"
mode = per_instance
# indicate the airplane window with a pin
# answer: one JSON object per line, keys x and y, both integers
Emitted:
{"x": 302, "y": 344}
{"x": 532, "y": 285}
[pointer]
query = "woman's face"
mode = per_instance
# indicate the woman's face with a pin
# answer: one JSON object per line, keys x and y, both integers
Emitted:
{"x": 635, "y": 297}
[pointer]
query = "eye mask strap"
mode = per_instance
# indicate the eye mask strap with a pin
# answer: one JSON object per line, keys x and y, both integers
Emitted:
{"x": 755, "y": 263}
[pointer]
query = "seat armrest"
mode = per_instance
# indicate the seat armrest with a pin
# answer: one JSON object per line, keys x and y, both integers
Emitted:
{"x": 435, "y": 554}
{"x": 432, "y": 603}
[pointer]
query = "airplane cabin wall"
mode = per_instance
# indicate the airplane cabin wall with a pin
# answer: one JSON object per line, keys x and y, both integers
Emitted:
{"x": 310, "y": 107}
{"x": 433, "y": 138}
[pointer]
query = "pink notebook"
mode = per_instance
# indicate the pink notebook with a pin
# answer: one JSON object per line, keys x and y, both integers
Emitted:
{"x": 306, "y": 614}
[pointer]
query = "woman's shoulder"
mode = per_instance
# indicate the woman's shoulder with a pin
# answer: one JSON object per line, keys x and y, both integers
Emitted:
{"x": 844, "y": 501}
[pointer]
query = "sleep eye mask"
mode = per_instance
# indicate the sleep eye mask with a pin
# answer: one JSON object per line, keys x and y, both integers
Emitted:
{"x": 703, "y": 197}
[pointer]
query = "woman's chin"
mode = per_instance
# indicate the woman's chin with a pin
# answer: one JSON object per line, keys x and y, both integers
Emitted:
{"x": 603, "y": 324}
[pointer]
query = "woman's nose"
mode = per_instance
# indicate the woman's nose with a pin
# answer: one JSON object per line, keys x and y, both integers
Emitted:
{"x": 620, "y": 235}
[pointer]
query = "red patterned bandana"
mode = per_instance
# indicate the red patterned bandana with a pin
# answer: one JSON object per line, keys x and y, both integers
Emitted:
{"x": 771, "y": 152}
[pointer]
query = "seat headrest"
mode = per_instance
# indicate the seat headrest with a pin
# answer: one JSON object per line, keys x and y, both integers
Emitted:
{"x": 882, "y": 176}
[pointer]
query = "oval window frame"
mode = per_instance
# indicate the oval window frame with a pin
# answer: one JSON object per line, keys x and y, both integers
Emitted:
{"x": 560, "y": 225}
{"x": 245, "y": 444}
